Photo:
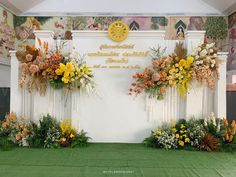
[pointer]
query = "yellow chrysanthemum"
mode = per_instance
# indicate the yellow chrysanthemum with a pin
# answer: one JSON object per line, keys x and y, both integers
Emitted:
{"x": 181, "y": 143}
{"x": 182, "y": 63}
{"x": 177, "y": 135}
{"x": 187, "y": 140}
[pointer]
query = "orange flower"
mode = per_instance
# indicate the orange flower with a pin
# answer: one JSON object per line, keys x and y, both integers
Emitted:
{"x": 233, "y": 124}
{"x": 225, "y": 121}
{"x": 4, "y": 125}
{"x": 12, "y": 117}
{"x": 231, "y": 138}
{"x": 18, "y": 137}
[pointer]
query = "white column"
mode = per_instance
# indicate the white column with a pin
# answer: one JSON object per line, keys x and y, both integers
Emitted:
{"x": 193, "y": 39}
{"x": 220, "y": 94}
{"x": 42, "y": 104}
{"x": 16, "y": 92}
{"x": 44, "y": 36}
{"x": 194, "y": 100}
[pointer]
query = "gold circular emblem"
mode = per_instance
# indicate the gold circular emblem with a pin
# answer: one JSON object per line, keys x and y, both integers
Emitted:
{"x": 118, "y": 31}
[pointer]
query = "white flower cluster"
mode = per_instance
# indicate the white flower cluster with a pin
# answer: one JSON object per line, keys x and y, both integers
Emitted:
{"x": 212, "y": 121}
{"x": 205, "y": 54}
{"x": 165, "y": 139}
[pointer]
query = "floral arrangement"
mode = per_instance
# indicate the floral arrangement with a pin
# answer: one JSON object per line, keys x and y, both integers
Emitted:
{"x": 48, "y": 133}
{"x": 208, "y": 134}
{"x": 68, "y": 133}
{"x": 15, "y": 129}
{"x": 205, "y": 67}
{"x": 176, "y": 70}
{"x": 74, "y": 74}
{"x": 39, "y": 66}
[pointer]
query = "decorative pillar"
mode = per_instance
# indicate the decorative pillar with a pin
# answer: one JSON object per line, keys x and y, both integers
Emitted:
{"x": 194, "y": 99}
{"x": 42, "y": 105}
{"x": 220, "y": 93}
{"x": 193, "y": 39}
{"x": 16, "y": 92}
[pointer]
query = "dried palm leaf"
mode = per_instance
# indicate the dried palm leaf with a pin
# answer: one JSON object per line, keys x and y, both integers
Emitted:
{"x": 209, "y": 143}
{"x": 180, "y": 51}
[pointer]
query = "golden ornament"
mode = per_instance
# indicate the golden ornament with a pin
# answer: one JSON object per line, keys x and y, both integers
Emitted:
{"x": 118, "y": 31}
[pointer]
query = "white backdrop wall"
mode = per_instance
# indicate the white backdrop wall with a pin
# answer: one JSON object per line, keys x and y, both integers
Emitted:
{"x": 114, "y": 116}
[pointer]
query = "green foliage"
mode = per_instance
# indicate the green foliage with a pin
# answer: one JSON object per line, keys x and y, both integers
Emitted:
{"x": 56, "y": 84}
{"x": 52, "y": 139}
{"x": 150, "y": 141}
{"x": 158, "y": 52}
{"x": 39, "y": 133}
{"x": 80, "y": 140}
{"x": 6, "y": 144}
{"x": 216, "y": 28}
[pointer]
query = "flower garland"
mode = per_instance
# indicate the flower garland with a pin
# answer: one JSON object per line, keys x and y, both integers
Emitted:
{"x": 177, "y": 70}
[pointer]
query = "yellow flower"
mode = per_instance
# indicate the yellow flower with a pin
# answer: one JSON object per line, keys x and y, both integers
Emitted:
{"x": 69, "y": 67}
{"x": 177, "y": 135}
{"x": 63, "y": 139}
{"x": 65, "y": 80}
{"x": 182, "y": 63}
{"x": 61, "y": 69}
{"x": 181, "y": 143}
{"x": 66, "y": 73}
{"x": 182, "y": 126}
{"x": 187, "y": 140}
{"x": 157, "y": 133}
{"x": 72, "y": 136}
{"x": 174, "y": 130}
{"x": 189, "y": 60}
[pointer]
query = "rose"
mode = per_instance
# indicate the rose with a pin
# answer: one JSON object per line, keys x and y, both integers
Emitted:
{"x": 28, "y": 57}
{"x": 33, "y": 68}
{"x": 156, "y": 77}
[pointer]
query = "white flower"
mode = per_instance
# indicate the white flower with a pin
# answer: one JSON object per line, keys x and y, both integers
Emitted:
{"x": 213, "y": 61}
{"x": 208, "y": 58}
{"x": 218, "y": 128}
{"x": 199, "y": 49}
{"x": 211, "y": 51}
{"x": 197, "y": 56}
{"x": 215, "y": 55}
{"x": 212, "y": 65}
{"x": 203, "y": 53}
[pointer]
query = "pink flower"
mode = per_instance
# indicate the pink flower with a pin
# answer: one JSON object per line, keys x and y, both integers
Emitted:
{"x": 41, "y": 65}
{"x": 28, "y": 57}
{"x": 39, "y": 59}
{"x": 155, "y": 77}
{"x": 33, "y": 69}
{"x": 150, "y": 70}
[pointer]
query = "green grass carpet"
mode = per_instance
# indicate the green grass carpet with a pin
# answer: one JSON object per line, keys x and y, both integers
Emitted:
{"x": 115, "y": 160}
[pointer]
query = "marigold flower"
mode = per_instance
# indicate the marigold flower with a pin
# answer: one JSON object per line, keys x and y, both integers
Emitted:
{"x": 181, "y": 143}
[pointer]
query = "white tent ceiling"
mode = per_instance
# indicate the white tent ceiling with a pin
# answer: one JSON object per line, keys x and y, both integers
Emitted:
{"x": 119, "y": 7}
